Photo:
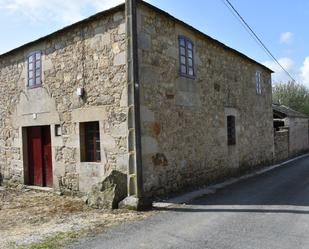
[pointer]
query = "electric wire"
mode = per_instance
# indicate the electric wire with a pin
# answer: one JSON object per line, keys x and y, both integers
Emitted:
{"x": 256, "y": 38}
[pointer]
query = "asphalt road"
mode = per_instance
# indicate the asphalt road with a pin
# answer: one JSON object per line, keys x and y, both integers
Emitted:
{"x": 270, "y": 211}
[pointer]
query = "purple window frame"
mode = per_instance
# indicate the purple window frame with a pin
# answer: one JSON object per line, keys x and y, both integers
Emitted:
{"x": 186, "y": 57}
{"x": 258, "y": 82}
{"x": 34, "y": 69}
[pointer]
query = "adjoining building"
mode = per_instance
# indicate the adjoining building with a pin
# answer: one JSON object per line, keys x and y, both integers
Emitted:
{"x": 291, "y": 132}
{"x": 67, "y": 117}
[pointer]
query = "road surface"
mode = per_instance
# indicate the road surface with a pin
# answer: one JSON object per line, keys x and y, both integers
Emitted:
{"x": 270, "y": 211}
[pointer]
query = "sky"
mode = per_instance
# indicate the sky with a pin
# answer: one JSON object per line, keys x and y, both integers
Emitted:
{"x": 281, "y": 25}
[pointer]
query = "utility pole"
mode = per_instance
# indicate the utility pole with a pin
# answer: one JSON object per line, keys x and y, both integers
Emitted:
{"x": 135, "y": 170}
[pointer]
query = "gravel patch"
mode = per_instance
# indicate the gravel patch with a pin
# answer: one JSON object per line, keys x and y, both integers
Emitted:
{"x": 28, "y": 217}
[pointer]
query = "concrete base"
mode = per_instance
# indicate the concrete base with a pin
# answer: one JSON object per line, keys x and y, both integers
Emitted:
{"x": 134, "y": 203}
{"x": 38, "y": 188}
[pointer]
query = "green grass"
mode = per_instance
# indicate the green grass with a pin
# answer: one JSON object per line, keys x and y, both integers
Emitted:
{"x": 56, "y": 241}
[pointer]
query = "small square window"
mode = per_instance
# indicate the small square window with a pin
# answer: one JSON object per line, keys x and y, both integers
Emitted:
{"x": 38, "y": 81}
{"x": 190, "y": 63}
{"x": 183, "y": 69}
{"x": 90, "y": 142}
{"x": 31, "y": 58}
{"x": 30, "y": 82}
{"x": 38, "y": 64}
{"x": 183, "y": 60}
{"x": 182, "y": 42}
{"x": 190, "y": 54}
{"x": 182, "y": 51}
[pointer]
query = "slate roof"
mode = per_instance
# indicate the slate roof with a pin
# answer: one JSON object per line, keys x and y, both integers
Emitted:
{"x": 284, "y": 111}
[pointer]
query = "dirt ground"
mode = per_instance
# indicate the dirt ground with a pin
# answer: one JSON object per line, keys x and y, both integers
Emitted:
{"x": 29, "y": 217}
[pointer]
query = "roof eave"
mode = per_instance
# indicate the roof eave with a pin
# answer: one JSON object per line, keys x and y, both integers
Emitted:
{"x": 121, "y": 7}
{"x": 203, "y": 34}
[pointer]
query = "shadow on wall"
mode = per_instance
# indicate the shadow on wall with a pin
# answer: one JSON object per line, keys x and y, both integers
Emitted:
{"x": 283, "y": 190}
{"x": 0, "y": 179}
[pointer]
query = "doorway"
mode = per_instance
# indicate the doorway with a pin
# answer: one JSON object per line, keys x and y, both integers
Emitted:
{"x": 39, "y": 156}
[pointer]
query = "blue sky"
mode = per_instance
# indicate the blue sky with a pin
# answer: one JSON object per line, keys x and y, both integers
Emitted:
{"x": 280, "y": 24}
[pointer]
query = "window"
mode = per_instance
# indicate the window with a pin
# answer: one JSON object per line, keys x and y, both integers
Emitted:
{"x": 186, "y": 58}
{"x": 90, "y": 142}
{"x": 231, "y": 130}
{"x": 34, "y": 69}
{"x": 258, "y": 83}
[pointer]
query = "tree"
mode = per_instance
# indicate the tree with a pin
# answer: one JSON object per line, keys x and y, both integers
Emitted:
{"x": 293, "y": 95}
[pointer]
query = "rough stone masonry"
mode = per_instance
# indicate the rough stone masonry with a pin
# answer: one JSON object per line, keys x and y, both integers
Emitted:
{"x": 91, "y": 55}
{"x": 183, "y": 119}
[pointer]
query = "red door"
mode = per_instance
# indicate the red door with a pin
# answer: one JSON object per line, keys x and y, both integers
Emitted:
{"x": 47, "y": 160}
{"x": 35, "y": 156}
{"x": 39, "y": 156}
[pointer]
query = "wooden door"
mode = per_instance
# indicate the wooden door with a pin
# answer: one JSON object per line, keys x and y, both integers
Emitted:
{"x": 39, "y": 156}
{"x": 47, "y": 159}
{"x": 35, "y": 156}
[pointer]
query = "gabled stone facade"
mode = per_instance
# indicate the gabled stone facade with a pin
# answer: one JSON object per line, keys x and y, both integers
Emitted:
{"x": 91, "y": 55}
{"x": 183, "y": 119}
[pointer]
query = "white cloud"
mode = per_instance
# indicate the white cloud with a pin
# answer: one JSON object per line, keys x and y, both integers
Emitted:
{"x": 304, "y": 72}
{"x": 279, "y": 75}
{"x": 287, "y": 64}
{"x": 286, "y": 37}
{"x": 62, "y": 11}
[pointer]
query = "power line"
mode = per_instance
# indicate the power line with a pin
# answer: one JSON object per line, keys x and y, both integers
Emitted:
{"x": 247, "y": 27}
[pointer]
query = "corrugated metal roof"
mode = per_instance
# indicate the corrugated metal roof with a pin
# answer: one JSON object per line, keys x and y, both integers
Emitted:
{"x": 286, "y": 111}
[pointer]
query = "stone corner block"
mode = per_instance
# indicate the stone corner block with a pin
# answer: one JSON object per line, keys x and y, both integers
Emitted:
{"x": 120, "y": 59}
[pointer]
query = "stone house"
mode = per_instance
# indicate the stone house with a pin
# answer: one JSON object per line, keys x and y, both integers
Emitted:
{"x": 291, "y": 132}
{"x": 70, "y": 113}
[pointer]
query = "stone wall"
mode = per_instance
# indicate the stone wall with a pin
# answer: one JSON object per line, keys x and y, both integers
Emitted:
{"x": 90, "y": 54}
{"x": 281, "y": 140}
{"x": 184, "y": 127}
{"x": 298, "y": 138}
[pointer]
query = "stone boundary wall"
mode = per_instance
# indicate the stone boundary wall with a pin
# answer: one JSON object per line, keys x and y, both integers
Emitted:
{"x": 281, "y": 141}
{"x": 298, "y": 137}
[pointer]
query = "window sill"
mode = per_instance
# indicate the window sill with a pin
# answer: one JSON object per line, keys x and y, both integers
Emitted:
{"x": 33, "y": 87}
{"x": 187, "y": 76}
{"x": 91, "y": 162}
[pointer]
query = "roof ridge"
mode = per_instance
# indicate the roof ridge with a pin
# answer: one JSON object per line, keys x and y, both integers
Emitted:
{"x": 121, "y": 6}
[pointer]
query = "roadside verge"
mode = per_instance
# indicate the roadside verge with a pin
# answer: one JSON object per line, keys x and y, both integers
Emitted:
{"x": 182, "y": 199}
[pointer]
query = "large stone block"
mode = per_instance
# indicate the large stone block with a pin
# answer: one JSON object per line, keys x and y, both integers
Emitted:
{"x": 149, "y": 145}
{"x": 120, "y": 59}
{"x": 109, "y": 192}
